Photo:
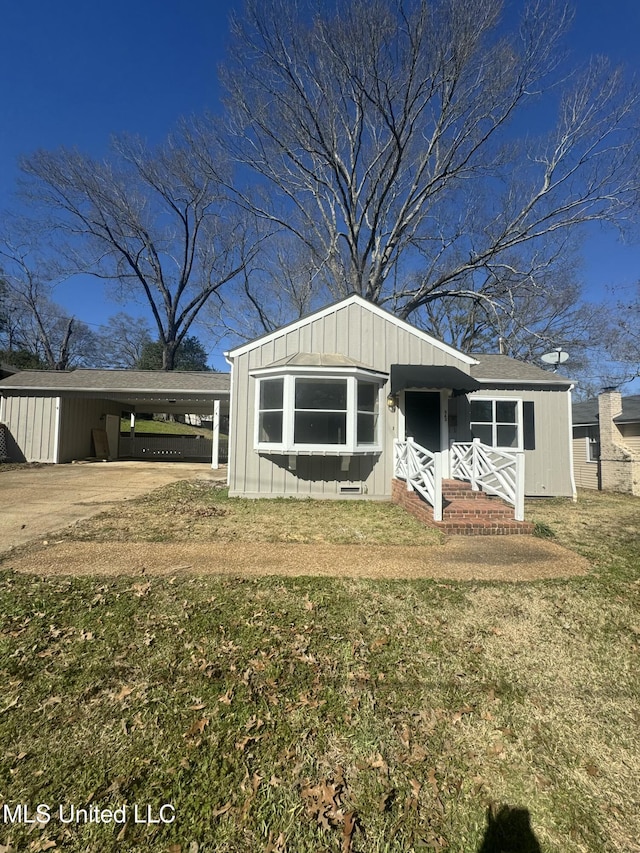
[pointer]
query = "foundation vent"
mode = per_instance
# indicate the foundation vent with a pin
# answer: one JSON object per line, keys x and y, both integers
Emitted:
{"x": 352, "y": 489}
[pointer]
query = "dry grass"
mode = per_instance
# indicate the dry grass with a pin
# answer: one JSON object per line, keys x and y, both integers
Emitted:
{"x": 297, "y": 715}
{"x": 196, "y": 511}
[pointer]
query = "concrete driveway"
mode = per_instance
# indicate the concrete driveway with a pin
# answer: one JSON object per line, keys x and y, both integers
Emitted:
{"x": 35, "y": 502}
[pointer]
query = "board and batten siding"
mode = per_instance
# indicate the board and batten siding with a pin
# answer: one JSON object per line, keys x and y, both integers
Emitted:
{"x": 547, "y": 468}
{"x": 31, "y": 426}
{"x": 78, "y": 416}
{"x": 360, "y": 334}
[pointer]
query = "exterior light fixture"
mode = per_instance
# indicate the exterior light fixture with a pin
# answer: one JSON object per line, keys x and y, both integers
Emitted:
{"x": 392, "y": 402}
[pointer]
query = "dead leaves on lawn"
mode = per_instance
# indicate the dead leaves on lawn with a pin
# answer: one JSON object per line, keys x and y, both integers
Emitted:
{"x": 324, "y": 803}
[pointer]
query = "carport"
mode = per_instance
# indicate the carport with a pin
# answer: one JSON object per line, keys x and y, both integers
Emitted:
{"x": 52, "y": 416}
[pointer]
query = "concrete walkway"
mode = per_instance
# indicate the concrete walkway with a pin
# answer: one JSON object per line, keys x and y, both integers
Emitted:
{"x": 36, "y": 501}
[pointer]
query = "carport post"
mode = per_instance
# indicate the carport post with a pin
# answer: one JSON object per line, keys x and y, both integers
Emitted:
{"x": 216, "y": 434}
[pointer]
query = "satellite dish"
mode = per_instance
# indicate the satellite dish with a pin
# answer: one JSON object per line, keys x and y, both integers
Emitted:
{"x": 556, "y": 357}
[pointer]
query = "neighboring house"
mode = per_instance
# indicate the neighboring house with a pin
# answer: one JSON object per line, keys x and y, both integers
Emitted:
{"x": 328, "y": 406}
{"x": 56, "y": 416}
{"x": 606, "y": 443}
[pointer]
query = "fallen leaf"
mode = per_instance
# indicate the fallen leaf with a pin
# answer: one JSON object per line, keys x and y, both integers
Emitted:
{"x": 386, "y": 800}
{"x": 227, "y": 698}
{"x": 197, "y": 728}
{"x": 431, "y": 779}
{"x": 277, "y": 846}
{"x": 347, "y": 831}
{"x": 124, "y": 692}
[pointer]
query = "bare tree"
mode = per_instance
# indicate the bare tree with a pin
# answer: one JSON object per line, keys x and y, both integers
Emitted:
{"x": 390, "y": 138}
{"x": 278, "y": 286}
{"x": 122, "y": 340}
{"x": 33, "y": 322}
{"x": 150, "y": 220}
{"x": 622, "y": 341}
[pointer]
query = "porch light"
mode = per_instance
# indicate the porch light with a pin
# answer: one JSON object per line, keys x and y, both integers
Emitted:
{"x": 392, "y": 402}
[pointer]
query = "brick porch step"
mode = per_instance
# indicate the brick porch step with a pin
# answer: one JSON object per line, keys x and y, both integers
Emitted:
{"x": 464, "y": 512}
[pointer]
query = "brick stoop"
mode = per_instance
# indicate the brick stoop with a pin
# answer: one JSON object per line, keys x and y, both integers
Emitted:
{"x": 464, "y": 511}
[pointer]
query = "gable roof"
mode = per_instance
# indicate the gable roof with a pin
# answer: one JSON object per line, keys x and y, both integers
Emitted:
{"x": 586, "y": 413}
{"x": 118, "y": 381}
{"x": 353, "y": 299}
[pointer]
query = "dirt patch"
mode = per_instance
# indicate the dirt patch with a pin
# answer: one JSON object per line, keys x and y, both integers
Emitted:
{"x": 458, "y": 558}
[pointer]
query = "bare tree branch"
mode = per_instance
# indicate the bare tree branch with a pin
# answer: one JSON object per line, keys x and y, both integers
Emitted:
{"x": 152, "y": 221}
{"x": 384, "y": 138}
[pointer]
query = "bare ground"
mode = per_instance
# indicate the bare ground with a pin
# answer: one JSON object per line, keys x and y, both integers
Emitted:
{"x": 495, "y": 558}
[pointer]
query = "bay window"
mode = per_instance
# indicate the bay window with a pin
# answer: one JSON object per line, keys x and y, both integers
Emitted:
{"x": 318, "y": 413}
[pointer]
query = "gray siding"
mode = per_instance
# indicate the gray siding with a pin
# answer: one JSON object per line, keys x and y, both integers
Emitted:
{"x": 30, "y": 423}
{"x": 79, "y": 416}
{"x": 351, "y": 330}
{"x": 547, "y": 468}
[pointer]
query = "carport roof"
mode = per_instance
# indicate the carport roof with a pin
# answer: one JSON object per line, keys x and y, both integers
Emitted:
{"x": 127, "y": 382}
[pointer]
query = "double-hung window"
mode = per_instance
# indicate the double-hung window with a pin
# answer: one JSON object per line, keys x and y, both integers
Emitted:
{"x": 497, "y": 422}
{"x": 307, "y": 413}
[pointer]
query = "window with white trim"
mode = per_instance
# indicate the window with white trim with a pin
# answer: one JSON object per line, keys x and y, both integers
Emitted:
{"x": 308, "y": 413}
{"x": 270, "y": 411}
{"x": 593, "y": 445}
{"x": 497, "y": 422}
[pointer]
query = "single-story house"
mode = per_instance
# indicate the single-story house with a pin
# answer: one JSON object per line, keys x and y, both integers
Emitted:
{"x": 343, "y": 402}
{"x": 606, "y": 443}
{"x": 62, "y": 416}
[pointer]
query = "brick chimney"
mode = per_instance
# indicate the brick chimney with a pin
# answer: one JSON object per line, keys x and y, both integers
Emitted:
{"x": 615, "y": 458}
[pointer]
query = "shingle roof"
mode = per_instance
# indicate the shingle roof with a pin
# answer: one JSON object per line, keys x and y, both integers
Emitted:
{"x": 501, "y": 368}
{"x": 586, "y": 413}
{"x": 120, "y": 381}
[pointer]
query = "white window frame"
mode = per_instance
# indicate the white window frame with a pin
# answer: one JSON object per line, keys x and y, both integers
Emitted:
{"x": 519, "y": 424}
{"x": 592, "y": 441}
{"x": 288, "y": 445}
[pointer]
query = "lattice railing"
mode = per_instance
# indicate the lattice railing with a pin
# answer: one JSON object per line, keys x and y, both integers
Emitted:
{"x": 422, "y": 471}
{"x": 496, "y": 472}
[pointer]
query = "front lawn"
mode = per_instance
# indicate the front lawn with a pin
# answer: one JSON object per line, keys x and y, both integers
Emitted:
{"x": 312, "y": 715}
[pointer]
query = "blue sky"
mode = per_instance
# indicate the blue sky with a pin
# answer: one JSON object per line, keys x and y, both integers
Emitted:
{"x": 74, "y": 72}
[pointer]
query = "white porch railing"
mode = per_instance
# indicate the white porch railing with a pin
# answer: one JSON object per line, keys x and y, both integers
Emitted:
{"x": 496, "y": 472}
{"x": 422, "y": 471}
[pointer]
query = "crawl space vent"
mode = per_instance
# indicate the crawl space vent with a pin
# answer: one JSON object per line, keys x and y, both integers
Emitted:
{"x": 355, "y": 489}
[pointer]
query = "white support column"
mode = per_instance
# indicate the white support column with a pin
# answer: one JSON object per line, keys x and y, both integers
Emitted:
{"x": 56, "y": 434}
{"x": 519, "y": 507}
{"x": 215, "y": 450}
{"x": 445, "y": 393}
{"x": 437, "y": 486}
